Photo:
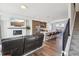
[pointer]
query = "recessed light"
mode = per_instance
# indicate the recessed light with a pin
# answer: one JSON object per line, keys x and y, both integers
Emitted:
{"x": 23, "y": 6}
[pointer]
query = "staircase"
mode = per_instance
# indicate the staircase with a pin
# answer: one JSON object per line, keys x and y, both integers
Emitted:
{"x": 74, "y": 47}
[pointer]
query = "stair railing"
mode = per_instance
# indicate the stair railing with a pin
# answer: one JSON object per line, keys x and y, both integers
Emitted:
{"x": 66, "y": 34}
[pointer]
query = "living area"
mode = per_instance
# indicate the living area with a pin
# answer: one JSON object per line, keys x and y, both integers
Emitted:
{"x": 28, "y": 30}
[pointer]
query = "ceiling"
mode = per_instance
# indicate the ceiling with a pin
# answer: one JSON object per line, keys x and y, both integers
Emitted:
{"x": 49, "y": 11}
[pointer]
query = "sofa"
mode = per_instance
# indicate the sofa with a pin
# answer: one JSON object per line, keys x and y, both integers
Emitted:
{"x": 18, "y": 46}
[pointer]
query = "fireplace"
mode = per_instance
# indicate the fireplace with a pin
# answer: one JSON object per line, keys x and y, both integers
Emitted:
{"x": 17, "y": 32}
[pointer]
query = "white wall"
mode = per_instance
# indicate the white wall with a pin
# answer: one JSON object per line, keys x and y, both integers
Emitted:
{"x": 72, "y": 14}
{"x": 54, "y": 27}
{"x": 5, "y": 24}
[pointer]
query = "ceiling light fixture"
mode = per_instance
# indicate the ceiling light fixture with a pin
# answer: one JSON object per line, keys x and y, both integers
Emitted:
{"x": 23, "y": 6}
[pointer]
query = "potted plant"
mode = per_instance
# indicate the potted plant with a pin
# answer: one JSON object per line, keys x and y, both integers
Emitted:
{"x": 28, "y": 27}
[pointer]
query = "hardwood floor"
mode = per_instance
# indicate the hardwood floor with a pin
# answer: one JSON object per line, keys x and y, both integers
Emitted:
{"x": 49, "y": 49}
